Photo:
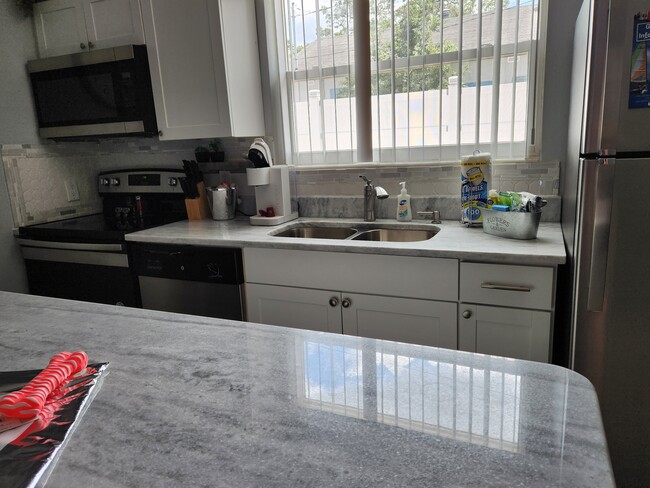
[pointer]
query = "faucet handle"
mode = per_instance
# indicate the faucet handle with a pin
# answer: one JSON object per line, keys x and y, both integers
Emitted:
{"x": 365, "y": 179}
{"x": 381, "y": 193}
{"x": 435, "y": 215}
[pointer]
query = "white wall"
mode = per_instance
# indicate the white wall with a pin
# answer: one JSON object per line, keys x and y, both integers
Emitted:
{"x": 562, "y": 16}
{"x": 17, "y": 126}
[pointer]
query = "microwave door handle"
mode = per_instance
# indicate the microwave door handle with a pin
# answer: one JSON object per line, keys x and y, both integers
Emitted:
{"x": 601, "y": 206}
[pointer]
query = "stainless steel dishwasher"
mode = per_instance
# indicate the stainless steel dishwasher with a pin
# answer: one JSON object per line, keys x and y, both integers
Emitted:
{"x": 193, "y": 280}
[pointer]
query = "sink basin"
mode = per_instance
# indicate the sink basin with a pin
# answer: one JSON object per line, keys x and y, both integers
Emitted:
{"x": 395, "y": 235}
{"x": 318, "y": 232}
{"x": 379, "y": 232}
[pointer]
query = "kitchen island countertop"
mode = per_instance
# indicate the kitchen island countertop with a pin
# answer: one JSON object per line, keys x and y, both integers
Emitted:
{"x": 193, "y": 401}
{"x": 453, "y": 241}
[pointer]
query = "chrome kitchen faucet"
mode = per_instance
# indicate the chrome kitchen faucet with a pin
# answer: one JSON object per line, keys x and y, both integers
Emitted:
{"x": 370, "y": 195}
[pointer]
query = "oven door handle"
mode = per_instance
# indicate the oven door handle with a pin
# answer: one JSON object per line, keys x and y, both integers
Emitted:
{"x": 92, "y": 258}
{"x": 77, "y": 246}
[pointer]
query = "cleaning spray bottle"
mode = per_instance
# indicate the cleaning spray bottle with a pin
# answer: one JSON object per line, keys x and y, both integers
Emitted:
{"x": 404, "y": 205}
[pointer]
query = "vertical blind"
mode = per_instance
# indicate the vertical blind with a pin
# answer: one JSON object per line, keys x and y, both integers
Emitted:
{"x": 447, "y": 77}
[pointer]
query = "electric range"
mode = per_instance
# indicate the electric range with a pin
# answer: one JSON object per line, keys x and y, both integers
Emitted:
{"x": 86, "y": 258}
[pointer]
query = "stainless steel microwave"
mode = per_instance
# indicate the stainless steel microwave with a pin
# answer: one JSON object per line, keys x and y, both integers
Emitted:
{"x": 106, "y": 92}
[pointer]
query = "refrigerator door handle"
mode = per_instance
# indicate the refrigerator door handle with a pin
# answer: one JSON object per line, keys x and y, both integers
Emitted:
{"x": 601, "y": 205}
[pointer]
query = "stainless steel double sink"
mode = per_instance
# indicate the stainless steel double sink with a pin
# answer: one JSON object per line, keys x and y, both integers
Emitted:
{"x": 378, "y": 232}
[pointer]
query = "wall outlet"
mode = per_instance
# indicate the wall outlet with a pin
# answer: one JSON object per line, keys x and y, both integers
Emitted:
{"x": 72, "y": 190}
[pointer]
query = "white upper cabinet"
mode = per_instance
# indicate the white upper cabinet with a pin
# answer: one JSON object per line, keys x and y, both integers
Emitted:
{"x": 72, "y": 26}
{"x": 205, "y": 69}
{"x": 111, "y": 23}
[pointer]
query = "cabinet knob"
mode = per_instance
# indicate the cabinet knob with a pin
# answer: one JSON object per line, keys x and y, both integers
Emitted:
{"x": 334, "y": 302}
{"x": 82, "y": 46}
{"x": 160, "y": 133}
{"x": 91, "y": 45}
{"x": 346, "y": 303}
{"x": 467, "y": 314}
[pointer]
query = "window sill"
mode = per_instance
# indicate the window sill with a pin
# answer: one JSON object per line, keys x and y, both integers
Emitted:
{"x": 387, "y": 165}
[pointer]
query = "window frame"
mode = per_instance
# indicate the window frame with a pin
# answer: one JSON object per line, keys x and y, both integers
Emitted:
{"x": 283, "y": 116}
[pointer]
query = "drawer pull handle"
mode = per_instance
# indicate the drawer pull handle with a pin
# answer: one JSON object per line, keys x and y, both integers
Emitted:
{"x": 494, "y": 286}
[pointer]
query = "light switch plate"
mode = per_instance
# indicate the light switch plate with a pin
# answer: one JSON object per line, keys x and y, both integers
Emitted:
{"x": 71, "y": 190}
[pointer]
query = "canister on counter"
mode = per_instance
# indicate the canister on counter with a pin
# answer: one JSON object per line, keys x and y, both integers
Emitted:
{"x": 475, "y": 178}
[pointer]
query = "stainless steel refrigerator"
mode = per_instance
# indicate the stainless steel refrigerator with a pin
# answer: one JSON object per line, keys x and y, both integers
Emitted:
{"x": 606, "y": 225}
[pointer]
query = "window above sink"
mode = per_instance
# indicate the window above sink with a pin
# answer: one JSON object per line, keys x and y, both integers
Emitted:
{"x": 465, "y": 80}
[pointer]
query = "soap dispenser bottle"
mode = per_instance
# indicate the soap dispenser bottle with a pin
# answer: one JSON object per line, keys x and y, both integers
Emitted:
{"x": 404, "y": 205}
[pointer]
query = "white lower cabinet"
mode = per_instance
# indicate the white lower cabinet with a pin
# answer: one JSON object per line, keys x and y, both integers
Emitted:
{"x": 509, "y": 332}
{"x": 426, "y": 322}
{"x": 498, "y": 309}
{"x": 301, "y": 308}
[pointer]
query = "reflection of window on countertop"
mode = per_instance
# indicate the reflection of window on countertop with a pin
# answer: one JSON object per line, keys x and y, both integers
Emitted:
{"x": 465, "y": 403}
{"x": 331, "y": 378}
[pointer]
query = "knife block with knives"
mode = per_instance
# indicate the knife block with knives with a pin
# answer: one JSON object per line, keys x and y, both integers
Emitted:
{"x": 196, "y": 198}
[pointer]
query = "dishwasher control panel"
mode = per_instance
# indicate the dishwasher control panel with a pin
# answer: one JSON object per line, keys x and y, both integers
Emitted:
{"x": 189, "y": 263}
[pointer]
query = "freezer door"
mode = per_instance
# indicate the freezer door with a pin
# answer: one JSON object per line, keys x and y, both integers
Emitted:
{"x": 612, "y": 314}
{"x": 624, "y": 129}
{"x": 601, "y": 80}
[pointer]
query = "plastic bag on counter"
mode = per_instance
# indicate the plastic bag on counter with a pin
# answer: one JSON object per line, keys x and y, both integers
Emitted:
{"x": 511, "y": 201}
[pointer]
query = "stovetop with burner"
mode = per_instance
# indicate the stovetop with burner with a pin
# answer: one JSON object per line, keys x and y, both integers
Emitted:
{"x": 92, "y": 228}
{"x": 131, "y": 200}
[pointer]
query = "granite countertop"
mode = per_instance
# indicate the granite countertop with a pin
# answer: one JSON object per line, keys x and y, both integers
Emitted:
{"x": 193, "y": 401}
{"x": 453, "y": 241}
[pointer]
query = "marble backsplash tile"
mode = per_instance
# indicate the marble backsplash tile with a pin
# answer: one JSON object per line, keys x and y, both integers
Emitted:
{"x": 37, "y": 187}
{"x": 447, "y": 205}
{"x": 338, "y": 192}
{"x": 36, "y": 176}
{"x": 36, "y": 173}
{"x": 541, "y": 178}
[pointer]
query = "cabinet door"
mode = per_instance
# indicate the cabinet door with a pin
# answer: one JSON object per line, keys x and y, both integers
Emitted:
{"x": 242, "y": 68}
{"x": 294, "y": 307}
{"x": 425, "y": 322}
{"x": 186, "y": 60}
{"x": 60, "y": 27}
{"x": 111, "y": 23}
{"x": 509, "y": 332}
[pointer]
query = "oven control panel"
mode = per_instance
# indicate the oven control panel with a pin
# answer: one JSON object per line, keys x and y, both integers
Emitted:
{"x": 140, "y": 181}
